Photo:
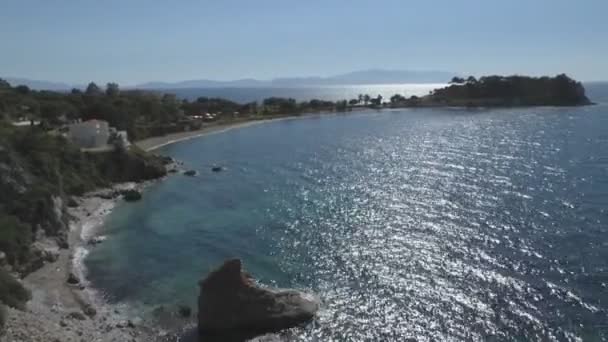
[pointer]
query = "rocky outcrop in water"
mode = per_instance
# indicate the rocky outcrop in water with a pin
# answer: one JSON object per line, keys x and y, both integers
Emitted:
{"x": 230, "y": 301}
{"x": 131, "y": 195}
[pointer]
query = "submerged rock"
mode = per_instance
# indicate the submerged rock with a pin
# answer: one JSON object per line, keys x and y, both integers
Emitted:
{"x": 96, "y": 240}
{"x": 190, "y": 173}
{"x": 229, "y": 300}
{"x": 216, "y": 168}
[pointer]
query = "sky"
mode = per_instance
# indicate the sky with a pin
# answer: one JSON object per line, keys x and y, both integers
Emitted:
{"x": 136, "y": 41}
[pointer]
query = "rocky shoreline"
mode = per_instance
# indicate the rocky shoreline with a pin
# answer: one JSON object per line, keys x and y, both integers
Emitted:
{"x": 64, "y": 307}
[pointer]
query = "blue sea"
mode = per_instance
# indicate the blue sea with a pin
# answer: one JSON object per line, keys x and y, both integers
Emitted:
{"x": 429, "y": 224}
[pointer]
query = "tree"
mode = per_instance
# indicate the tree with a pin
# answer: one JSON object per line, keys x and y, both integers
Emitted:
{"x": 397, "y": 98}
{"x": 366, "y": 99}
{"x": 52, "y": 111}
{"x": 471, "y": 79}
{"x": 360, "y": 98}
{"x": 93, "y": 89}
{"x": 341, "y": 105}
{"x": 4, "y": 84}
{"x": 377, "y": 101}
{"x": 457, "y": 80}
{"x": 76, "y": 91}
{"x": 354, "y": 102}
{"x": 112, "y": 89}
{"x": 22, "y": 89}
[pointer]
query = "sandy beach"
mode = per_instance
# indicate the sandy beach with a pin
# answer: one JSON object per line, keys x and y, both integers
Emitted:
{"x": 153, "y": 143}
{"x": 158, "y": 142}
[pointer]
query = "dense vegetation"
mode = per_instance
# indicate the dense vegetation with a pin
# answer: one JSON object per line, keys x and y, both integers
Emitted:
{"x": 511, "y": 91}
{"x": 12, "y": 293}
{"x": 39, "y": 172}
{"x": 141, "y": 113}
{"x": 145, "y": 113}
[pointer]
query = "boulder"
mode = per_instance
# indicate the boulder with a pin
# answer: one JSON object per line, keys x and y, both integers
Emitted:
{"x": 44, "y": 251}
{"x": 131, "y": 195}
{"x": 89, "y": 310}
{"x": 73, "y": 279}
{"x": 190, "y": 173}
{"x": 77, "y": 316}
{"x": 216, "y": 168}
{"x": 231, "y": 301}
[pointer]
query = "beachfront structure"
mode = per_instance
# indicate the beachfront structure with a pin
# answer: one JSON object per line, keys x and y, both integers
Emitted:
{"x": 24, "y": 122}
{"x": 120, "y": 138}
{"x": 90, "y": 134}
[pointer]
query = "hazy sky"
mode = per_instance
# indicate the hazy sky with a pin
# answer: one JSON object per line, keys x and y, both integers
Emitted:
{"x": 132, "y": 41}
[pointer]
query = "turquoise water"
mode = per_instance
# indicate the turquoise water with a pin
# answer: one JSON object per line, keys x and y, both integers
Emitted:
{"x": 434, "y": 224}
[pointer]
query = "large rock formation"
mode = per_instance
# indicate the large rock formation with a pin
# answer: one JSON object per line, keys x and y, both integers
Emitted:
{"x": 230, "y": 301}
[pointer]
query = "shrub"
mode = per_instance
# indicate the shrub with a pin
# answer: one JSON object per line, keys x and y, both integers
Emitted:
{"x": 3, "y": 317}
{"x": 15, "y": 239}
{"x": 131, "y": 195}
{"x": 12, "y": 292}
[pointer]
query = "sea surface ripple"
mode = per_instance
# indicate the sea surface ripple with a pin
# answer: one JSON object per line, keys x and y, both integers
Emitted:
{"x": 434, "y": 225}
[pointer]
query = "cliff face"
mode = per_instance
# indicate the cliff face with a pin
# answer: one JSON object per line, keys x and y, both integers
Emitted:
{"x": 39, "y": 172}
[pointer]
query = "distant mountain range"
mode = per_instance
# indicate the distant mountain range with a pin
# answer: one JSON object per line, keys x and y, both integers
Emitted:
{"x": 372, "y": 76}
{"x": 40, "y": 85}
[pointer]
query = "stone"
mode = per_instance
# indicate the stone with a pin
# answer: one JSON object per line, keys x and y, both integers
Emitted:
{"x": 77, "y": 315}
{"x": 62, "y": 240}
{"x": 217, "y": 168}
{"x": 96, "y": 240}
{"x": 230, "y": 301}
{"x": 45, "y": 251}
{"x": 190, "y": 173}
{"x": 89, "y": 310}
{"x": 73, "y": 279}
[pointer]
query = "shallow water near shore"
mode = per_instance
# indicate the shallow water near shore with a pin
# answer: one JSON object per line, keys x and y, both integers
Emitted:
{"x": 434, "y": 224}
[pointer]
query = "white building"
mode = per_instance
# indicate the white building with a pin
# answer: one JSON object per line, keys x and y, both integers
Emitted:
{"x": 90, "y": 134}
{"x": 22, "y": 123}
{"x": 120, "y": 138}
